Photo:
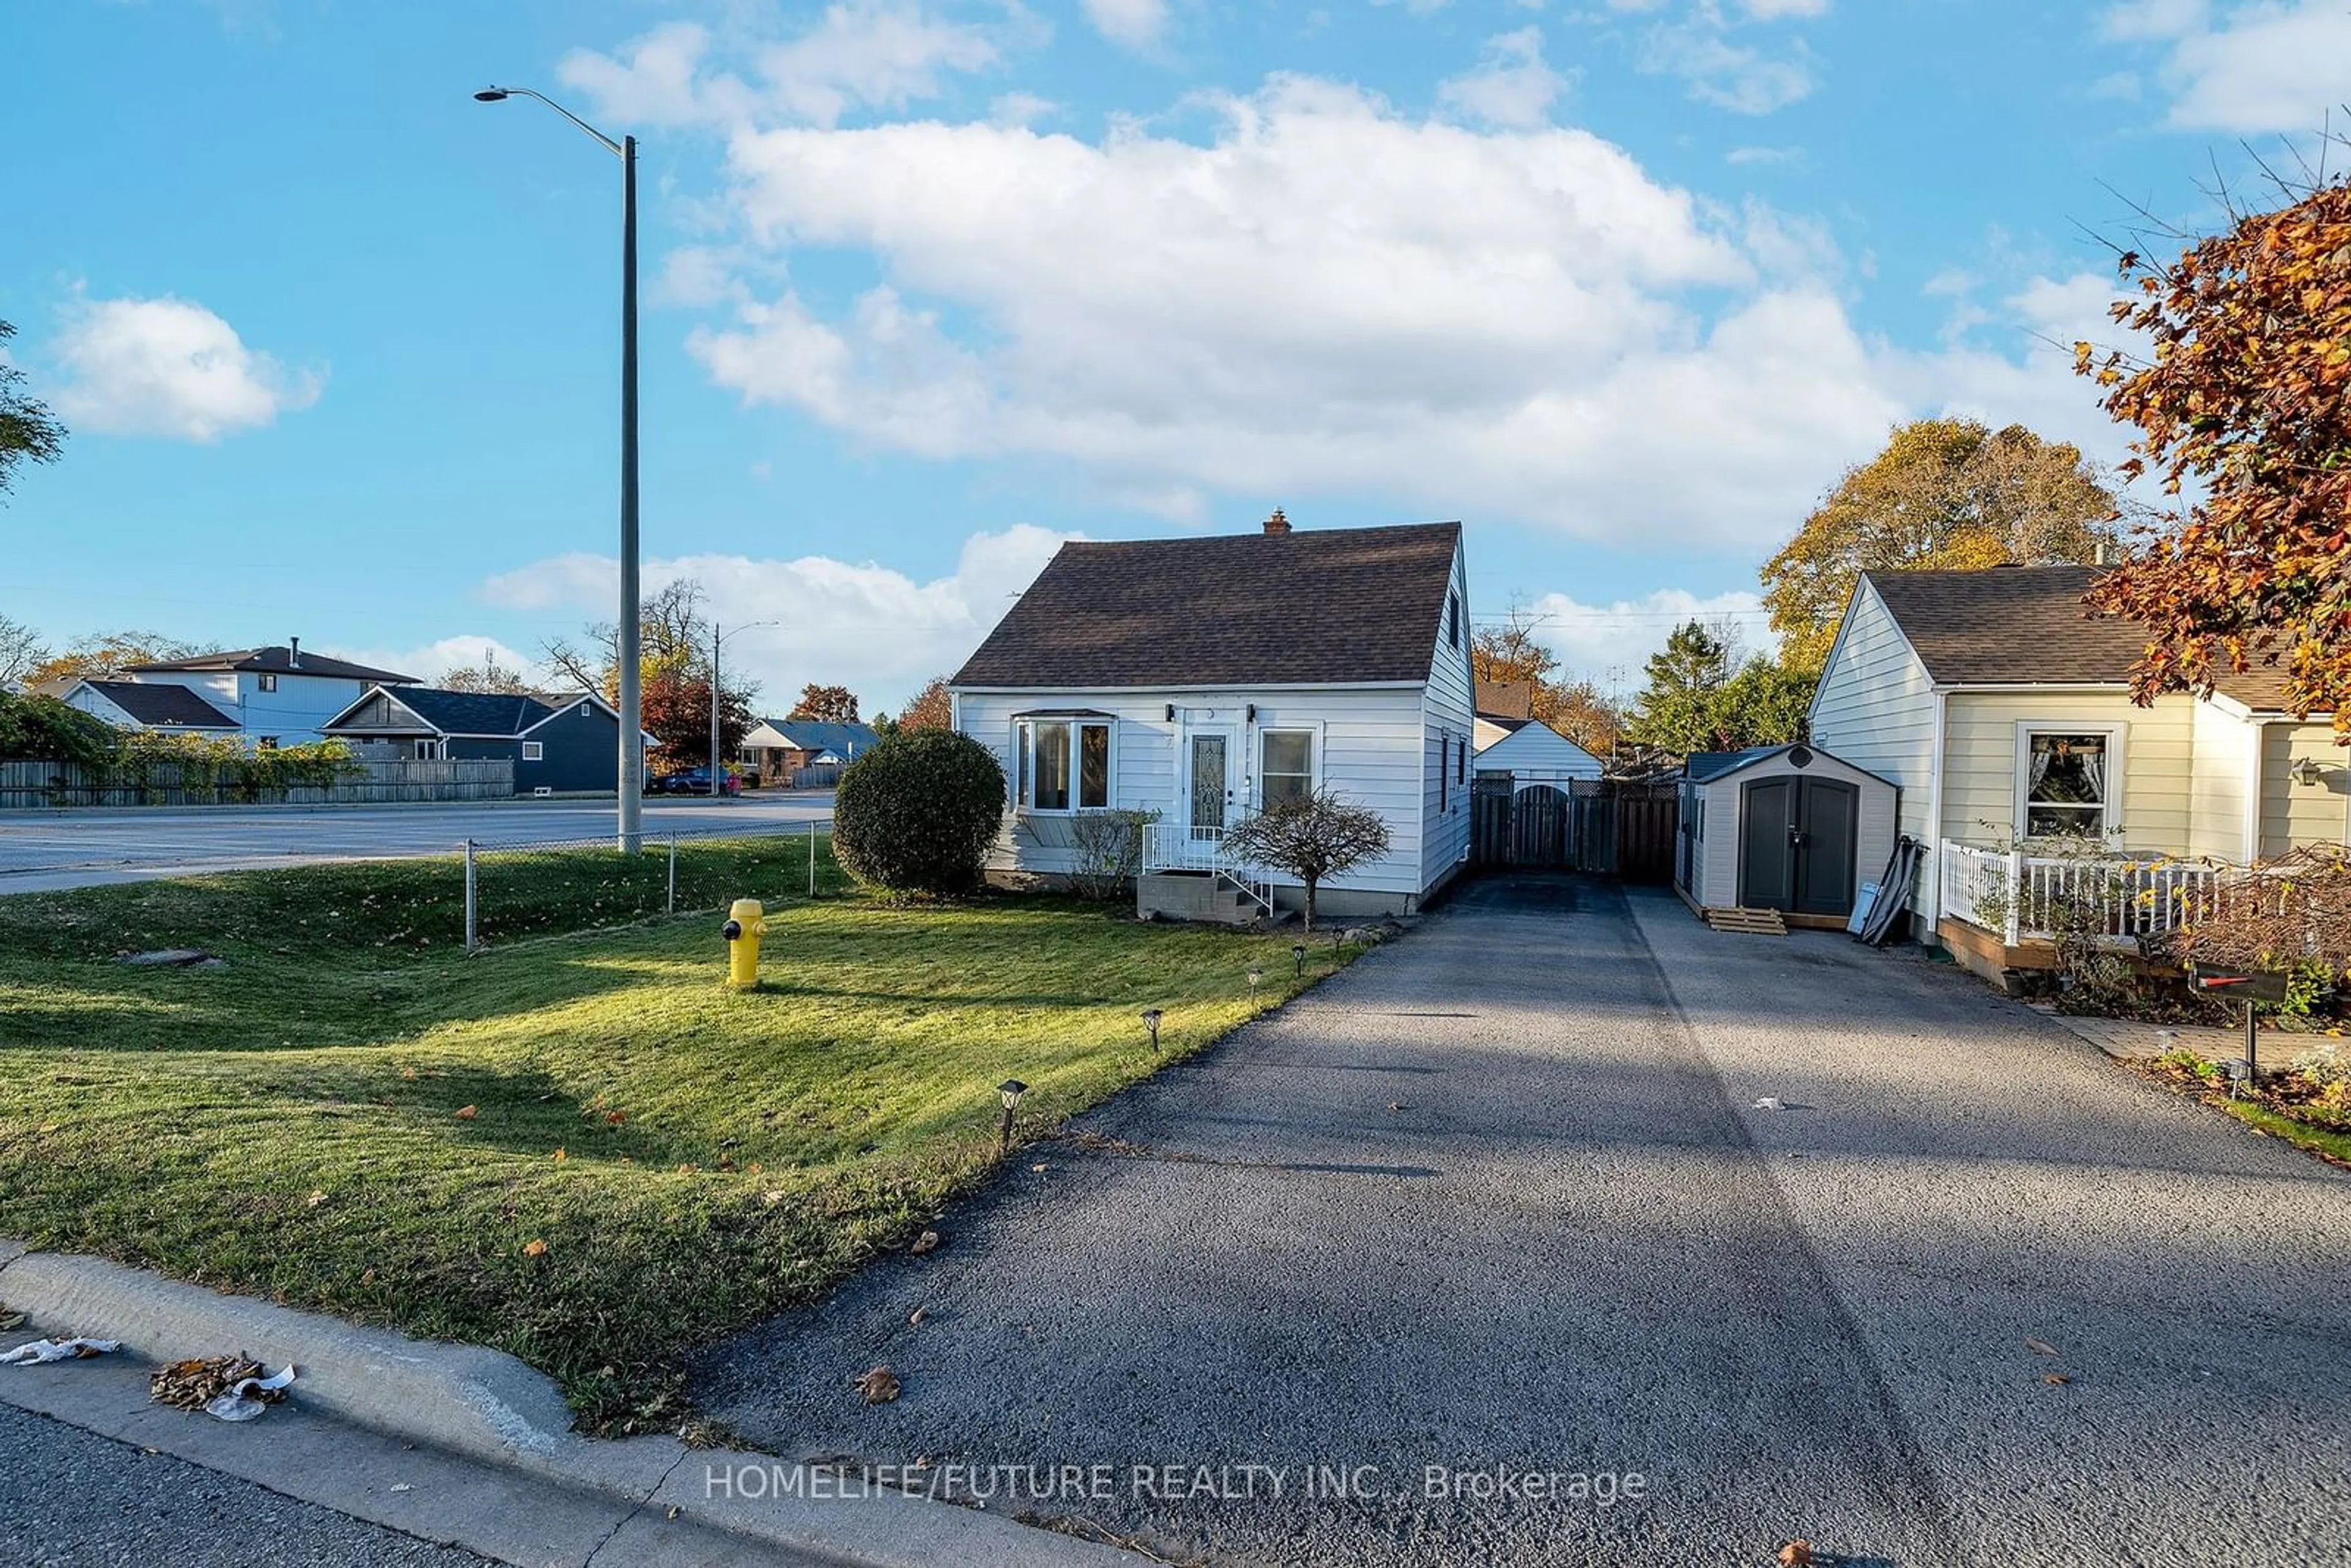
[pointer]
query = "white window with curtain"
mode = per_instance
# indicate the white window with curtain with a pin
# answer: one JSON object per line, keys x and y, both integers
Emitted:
{"x": 2069, "y": 781}
{"x": 1062, "y": 764}
{"x": 1285, "y": 769}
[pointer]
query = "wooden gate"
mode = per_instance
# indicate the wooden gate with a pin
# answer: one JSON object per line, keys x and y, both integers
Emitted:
{"x": 1623, "y": 828}
{"x": 1526, "y": 829}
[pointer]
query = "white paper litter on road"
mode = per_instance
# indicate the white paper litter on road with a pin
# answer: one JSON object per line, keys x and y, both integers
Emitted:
{"x": 45, "y": 1350}
{"x": 234, "y": 1405}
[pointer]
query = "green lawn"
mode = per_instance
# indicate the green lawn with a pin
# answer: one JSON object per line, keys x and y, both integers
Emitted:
{"x": 692, "y": 1158}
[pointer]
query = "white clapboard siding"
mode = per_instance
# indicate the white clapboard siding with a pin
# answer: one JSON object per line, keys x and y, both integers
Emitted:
{"x": 1875, "y": 709}
{"x": 1368, "y": 751}
{"x": 1448, "y": 740}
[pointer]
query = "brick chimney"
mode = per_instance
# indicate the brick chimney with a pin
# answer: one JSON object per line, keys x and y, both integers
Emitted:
{"x": 1277, "y": 524}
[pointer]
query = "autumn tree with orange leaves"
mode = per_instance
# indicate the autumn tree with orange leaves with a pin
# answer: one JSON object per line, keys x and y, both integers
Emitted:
{"x": 2241, "y": 406}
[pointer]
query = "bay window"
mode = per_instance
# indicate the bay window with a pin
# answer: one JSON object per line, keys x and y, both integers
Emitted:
{"x": 1285, "y": 769}
{"x": 1062, "y": 764}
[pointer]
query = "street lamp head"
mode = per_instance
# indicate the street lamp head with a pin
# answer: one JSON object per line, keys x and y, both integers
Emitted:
{"x": 491, "y": 95}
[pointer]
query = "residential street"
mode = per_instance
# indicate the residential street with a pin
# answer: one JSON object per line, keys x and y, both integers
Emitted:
{"x": 74, "y": 1500}
{"x": 1500, "y": 1199}
{"x": 40, "y": 851}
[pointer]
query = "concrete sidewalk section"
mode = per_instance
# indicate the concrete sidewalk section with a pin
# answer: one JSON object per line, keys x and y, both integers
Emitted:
{"x": 458, "y": 1444}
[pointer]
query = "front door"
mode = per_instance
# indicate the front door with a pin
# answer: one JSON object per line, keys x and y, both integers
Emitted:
{"x": 1797, "y": 845}
{"x": 1209, "y": 783}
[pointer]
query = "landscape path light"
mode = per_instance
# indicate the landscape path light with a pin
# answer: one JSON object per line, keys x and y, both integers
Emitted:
{"x": 1011, "y": 1089}
{"x": 1298, "y": 955}
{"x": 1150, "y": 1017}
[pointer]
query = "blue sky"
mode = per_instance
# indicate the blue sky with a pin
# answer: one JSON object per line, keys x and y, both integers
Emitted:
{"x": 1623, "y": 284}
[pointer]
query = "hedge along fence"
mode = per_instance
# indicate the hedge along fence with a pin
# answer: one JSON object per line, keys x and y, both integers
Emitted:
{"x": 257, "y": 779}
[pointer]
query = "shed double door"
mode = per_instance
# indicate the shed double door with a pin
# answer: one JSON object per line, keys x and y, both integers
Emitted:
{"x": 1797, "y": 842}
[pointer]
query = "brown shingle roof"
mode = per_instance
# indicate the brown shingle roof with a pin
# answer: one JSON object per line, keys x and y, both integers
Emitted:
{"x": 2025, "y": 625}
{"x": 1312, "y": 606}
{"x": 1506, "y": 699}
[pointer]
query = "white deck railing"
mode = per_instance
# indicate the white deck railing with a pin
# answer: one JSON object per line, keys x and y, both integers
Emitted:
{"x": 1172, "y": 846}
{"x": 2025, "y": 897}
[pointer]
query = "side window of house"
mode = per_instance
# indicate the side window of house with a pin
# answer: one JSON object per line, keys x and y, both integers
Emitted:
{"x": 1285, "y": 765}
{"x": 1063, "y": 765}
{"x": 534, "y": 751}
{"x": 1453, "y": 620}
{"x": 1461, "y": 767}
{"x": 269, "y": 683}
{"x": 2066, "y": 782}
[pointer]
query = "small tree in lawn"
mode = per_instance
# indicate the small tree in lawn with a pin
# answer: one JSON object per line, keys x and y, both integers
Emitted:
{"x": 1313, "y": 837}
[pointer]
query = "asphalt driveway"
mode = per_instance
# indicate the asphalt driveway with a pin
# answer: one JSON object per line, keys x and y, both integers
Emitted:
{"x": 1484, "y": 1254}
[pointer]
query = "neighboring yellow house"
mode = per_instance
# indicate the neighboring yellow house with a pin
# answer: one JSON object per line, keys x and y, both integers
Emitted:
{"x": 2005, "y": 716}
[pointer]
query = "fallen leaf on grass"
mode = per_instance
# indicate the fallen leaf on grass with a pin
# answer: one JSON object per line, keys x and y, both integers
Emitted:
{"x": 880, "y": 1385}
{"x": 466, "y": 1112}
{"x": 316, "y": 1198}
{"x": 615, "y": 1117}
{"x": 2054, "y": 1377}
{"x": 928, "y": 1241}
{"x": 561, "y": 1155}
{"x": 1796, "y": 1554}
{"x": 2044, "y": 1349}
{"x": 533, "y": 1248}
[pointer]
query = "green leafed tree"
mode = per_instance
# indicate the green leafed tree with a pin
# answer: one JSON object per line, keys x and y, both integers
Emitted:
{"x": 1947, "y": 494}
{"x": 1700, "y": 696}
{"x": 29, "y": 432}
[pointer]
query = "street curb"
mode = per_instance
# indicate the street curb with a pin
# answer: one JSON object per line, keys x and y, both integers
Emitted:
{"x": 485, "y": 1405}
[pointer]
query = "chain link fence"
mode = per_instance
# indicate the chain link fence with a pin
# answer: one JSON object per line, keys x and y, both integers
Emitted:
{"x": 519, "y": 890}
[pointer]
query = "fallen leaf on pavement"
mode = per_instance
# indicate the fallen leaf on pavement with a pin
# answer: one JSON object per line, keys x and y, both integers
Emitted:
{"x": 2035, "y": 1344}
{"x": 2054, "y": 1377}
{"x": 1796, "y": 1554}
{"x": 915, "y": 1319}
{"x": 1396, "y": 1104}
{"x": 10, "y": 1320}
{"x": 928, "y": 1241}
{"x": 466, "y": 1112}
{"x": 880, "y": 1385}
{"x": 1040, "y": 1168}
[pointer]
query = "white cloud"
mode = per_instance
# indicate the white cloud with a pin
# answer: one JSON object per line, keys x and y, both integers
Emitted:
{"x": 1511, "y": 85}
{"x": 1744, "y": 156}
{"x": 2270, "y": 65}
{"x": 1771, "y": 10}
{"x": 1736, "y": 76}
{"x": 868, "y": 626}
{"x": 433, "y": 660}
{"x": 1021, "y": 109}
{"x": 1130, "y": 24}
{"x": 1609, "y": 643}
{"x": 1325, "y": 295}
{"x": 857, "y": 55}
{"x": 167, "y": 367}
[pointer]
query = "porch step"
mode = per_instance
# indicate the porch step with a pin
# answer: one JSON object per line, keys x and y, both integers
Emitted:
{"x": 1191, "y": 895}
{"x": 1748, "y": 922}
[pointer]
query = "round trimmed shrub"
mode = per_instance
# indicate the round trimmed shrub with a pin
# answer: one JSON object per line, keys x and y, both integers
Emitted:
{"x": 915, "y": 814}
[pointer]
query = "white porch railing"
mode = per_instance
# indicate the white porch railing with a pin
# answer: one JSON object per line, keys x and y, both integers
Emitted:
{"x": 1172, "y": 846}
{"x": 2025, "y": 897}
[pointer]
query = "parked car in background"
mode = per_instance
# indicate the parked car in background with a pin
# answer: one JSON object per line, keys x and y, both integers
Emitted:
{"x": 692, "y": 781}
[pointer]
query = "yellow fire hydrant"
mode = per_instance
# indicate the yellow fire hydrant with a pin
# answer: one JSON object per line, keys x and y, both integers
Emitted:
{"x": 746, "y": 923}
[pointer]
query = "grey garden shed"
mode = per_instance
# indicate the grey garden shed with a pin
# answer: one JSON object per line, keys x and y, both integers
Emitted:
{"x": 1790, "y": 828}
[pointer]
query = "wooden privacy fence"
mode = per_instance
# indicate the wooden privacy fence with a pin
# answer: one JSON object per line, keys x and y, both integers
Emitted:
{"x": 24, "y": 785}
{"x": 1608, "y": 827}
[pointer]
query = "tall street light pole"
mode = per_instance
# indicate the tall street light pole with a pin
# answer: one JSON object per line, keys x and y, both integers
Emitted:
{"x": 716, "y": 781}
{"x": 631, "y": 740}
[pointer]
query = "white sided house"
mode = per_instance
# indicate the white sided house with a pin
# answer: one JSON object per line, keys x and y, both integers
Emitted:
{"x": 1531, "y": 753}
{"x": 2027, "y": 773}
{"x": 1203, "y": 679}
{"x": 275, "y": 696}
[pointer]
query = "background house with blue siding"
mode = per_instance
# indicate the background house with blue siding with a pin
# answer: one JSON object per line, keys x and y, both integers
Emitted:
{"x": 559, "y": 743}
